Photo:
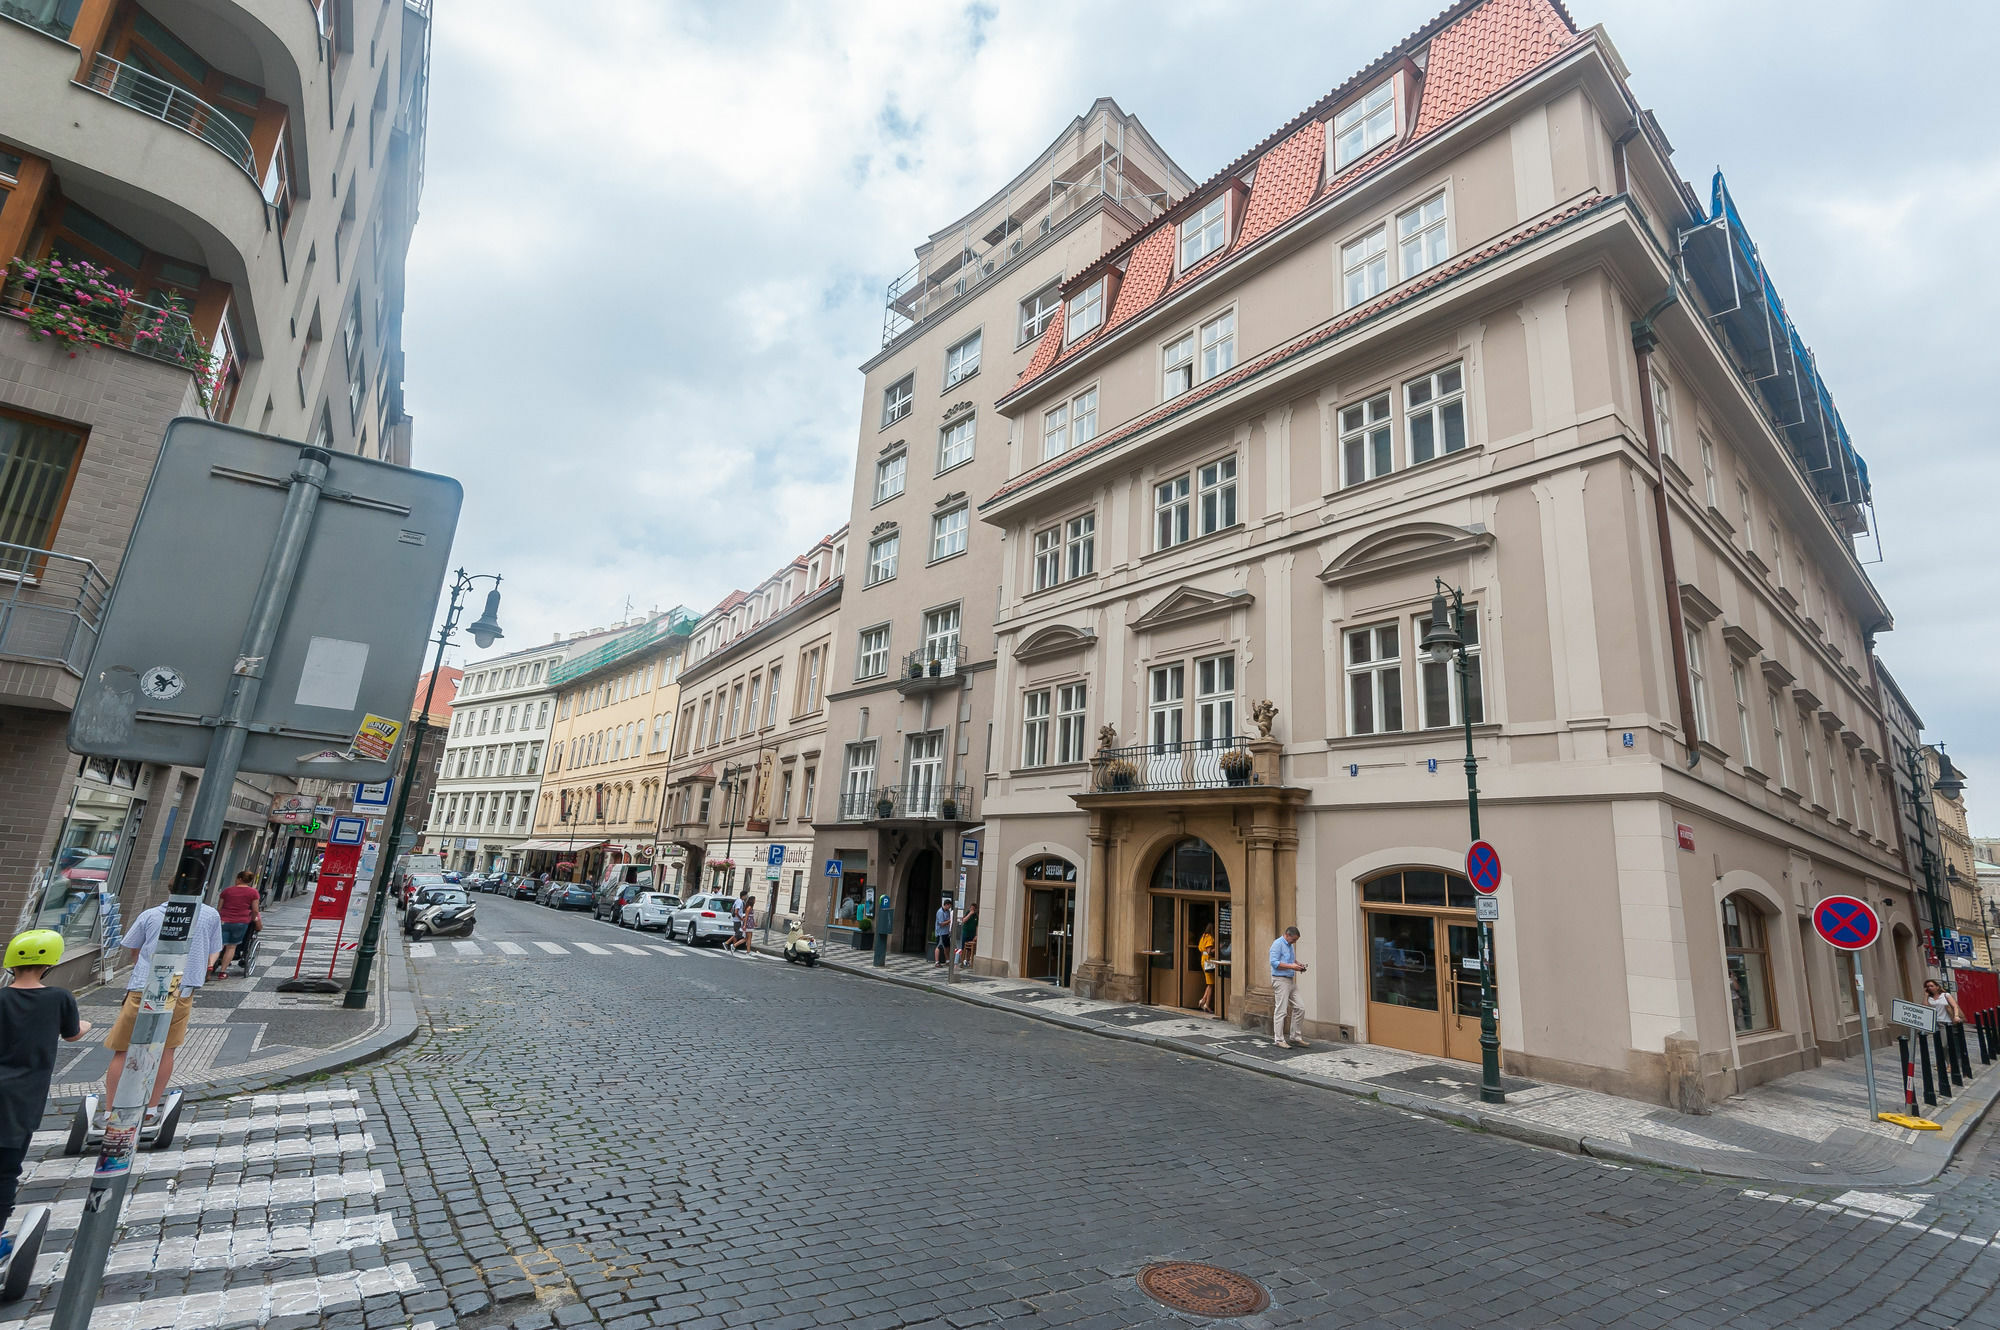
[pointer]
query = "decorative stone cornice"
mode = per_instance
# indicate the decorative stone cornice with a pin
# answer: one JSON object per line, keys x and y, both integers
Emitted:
{"x": 1184, "y": 604}
{"x": 1058, "y": 639}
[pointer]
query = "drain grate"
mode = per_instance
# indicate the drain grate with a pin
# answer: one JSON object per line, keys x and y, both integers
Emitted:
{"x": 434, "y": 1059}
{"x": 1205, "y": 1290}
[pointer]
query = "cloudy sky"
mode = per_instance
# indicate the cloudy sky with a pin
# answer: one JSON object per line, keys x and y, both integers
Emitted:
{"x": 655, "y": 238}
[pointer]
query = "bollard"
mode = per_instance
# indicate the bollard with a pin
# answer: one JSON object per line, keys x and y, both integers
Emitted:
{"x": 1943, "y": 1060}
{"x": 1909, "y": 1075}
{"x": 1964, "y": 1057}
{"x": 1985, "y": 1044}
{"x": 1924, "y": 1057}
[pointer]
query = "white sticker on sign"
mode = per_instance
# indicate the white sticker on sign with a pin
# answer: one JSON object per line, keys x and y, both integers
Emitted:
{"x": 332, "y": 674}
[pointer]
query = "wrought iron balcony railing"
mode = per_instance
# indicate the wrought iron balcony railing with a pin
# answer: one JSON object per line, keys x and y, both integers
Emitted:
{"x": 931, "y": 667}
{"x": 50, "y": 606}
{"x": 173, "y": 104}
{"x": 1187, "y": 764}
{"x": 918, "y": 801}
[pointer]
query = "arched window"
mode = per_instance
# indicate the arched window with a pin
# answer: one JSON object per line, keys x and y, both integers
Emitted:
{"x": 1190, "y": 865}
{"x": 1748, "y": 957}
{"x": 1419, "y": 886}
{"x": 1049, "y": 870}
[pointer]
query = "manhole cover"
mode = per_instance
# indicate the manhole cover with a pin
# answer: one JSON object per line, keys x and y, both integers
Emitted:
{"x": 1205, "y": 1290}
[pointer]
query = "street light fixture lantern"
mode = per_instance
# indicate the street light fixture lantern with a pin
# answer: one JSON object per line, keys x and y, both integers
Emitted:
{"x": 1441, "y": 637}
{"x": 485, "y": 629}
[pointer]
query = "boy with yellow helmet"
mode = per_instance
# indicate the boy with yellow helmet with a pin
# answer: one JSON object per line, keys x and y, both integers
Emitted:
{"x": 33, "y": 1015}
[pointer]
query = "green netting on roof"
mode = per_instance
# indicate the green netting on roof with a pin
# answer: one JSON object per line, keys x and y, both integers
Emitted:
{"x": 676, "y": 622}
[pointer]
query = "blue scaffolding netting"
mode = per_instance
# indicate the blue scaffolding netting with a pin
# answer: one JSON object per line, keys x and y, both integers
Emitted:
{"x": 1722, "y": 263}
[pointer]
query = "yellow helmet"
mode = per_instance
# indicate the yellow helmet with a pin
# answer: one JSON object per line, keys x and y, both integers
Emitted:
{"x": 37, "y": 946}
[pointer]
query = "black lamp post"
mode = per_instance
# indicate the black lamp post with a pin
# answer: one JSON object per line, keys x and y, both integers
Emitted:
{"x": 485, "y": 632}
{"x": 1444, "y": 642}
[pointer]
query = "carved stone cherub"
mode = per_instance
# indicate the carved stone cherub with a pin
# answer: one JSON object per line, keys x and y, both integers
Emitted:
{"x": 1107, "y": 737}
{"x": 1264, "y": 712}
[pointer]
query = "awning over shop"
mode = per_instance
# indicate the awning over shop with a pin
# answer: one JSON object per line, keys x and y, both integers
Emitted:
{"x": 579, "y": 846}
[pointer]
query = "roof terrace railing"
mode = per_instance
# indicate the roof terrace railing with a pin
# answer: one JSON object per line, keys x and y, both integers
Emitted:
{"x": 175, "y": 105}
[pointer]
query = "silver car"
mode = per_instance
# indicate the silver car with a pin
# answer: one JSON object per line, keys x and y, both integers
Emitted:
{"x": 704, "y": 918}
{"x": 653, "y": 909}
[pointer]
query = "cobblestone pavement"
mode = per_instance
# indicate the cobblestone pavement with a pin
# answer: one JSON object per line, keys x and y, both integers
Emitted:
{"x": 682, "y": 1138}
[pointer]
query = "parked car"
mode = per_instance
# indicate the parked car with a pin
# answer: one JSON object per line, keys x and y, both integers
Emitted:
{"x": 650, "y": 909}
{"x": 548, "y": 889}
{"x": 416, "y": 883}
{"x": 457, "y": 879}
{"x": 704, "y": 918}
{"x": 94, "y": 869}
{"x": 525, "y": 888}
{"x": 613, "y": 897}
{"x": 573, "y": 896}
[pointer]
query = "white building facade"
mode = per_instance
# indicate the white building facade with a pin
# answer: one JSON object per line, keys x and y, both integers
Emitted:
{"x": 483, "y": 806}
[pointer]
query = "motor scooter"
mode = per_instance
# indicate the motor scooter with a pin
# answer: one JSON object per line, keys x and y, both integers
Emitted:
{"x": 800, "y": 949}
{"x": 443, "y": 919}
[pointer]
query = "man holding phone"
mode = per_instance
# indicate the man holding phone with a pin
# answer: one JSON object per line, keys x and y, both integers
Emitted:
{"x": 1288, "y": 1015}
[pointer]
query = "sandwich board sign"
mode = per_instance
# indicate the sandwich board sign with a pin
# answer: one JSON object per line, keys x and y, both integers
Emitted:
{"x": 350, "y": 640}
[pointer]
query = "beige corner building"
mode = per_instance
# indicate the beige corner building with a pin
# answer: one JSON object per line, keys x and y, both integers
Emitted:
{"x": 1460, "y": 323}
{"x": 1961, "y": 858}
{"x": 750, "y": 744}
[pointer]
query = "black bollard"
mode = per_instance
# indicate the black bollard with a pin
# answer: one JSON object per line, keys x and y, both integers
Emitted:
{"x": 1924, "y": 1057}
{"x": 1944, "y": 1059}
{"x": 1964, "y": 1055}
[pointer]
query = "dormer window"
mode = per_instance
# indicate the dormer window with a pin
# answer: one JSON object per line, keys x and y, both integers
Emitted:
{"x": 1205, "y": 232}
{"x": 1365, "y": 124}
{"x": 1086, "y": 311}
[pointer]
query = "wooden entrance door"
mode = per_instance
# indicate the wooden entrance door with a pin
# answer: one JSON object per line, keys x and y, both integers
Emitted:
{"x": 1422, "y": 995}
{"x": 1051, "y": 948}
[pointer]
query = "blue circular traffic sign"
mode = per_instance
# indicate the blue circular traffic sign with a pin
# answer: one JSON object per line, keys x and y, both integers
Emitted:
{"x": 1846, "y": 922}
{"x": 1482, "y": 868}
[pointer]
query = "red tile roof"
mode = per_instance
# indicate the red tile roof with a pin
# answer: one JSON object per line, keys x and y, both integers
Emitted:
{"x": 1435, "y": 277}
{"x": 1477, "y": 49}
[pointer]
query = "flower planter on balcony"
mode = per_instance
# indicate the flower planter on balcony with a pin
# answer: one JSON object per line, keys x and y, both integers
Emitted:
{"x": 948, "y": 811}
{"x": 937, "y": 668}
{"x": 916, "y": 670}
{"x": 884, "y": 810}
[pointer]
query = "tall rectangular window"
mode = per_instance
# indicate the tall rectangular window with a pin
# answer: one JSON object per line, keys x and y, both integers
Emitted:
{"x": 1215, "y": 698}
{"x": 750, "y": 703}
{"x": 1805, "y": 748}
{"x": 955, "y": 443}
{"x": 1365, "y": 451}
{"x": 1177, "y": 367}
{"x": 948, "y": 533}
{"x": 1364, "y": 267}
{"x": 1438, "y": 680}
{"x": 785, "y": 800}
{"x": 941, "y": 634}
{"x": 1048, "y": 558}
{"x": 1216, "y": 498}
{"x": 1086, "y": 311}
{"x": 735, "y": 709}
{"x": 1434, "y": 414}
{"x": 873, "y": 658}
{"x": 1168, "y": 687}
{"x": 814, "y": 659}
{"x": 1070, "y": 722}
{"x": 857, "y": 780}
{"x": 962, "y": 360}
{"x": 1203, "y": 234}
{"x": 1218, "y": 345}
{"x": 1365, "y": 124}
{"x": 1832, "y": 744}
{"x": 1704, "y": 721}
{"x": 1080, "y": 546}
{"x": 889, "y": 474}
{"x": 1743, "y": 515}
{"x": 1037, "y": 310}
{"x": 1070, "y": 424}
{"x": 896, "y": 400}
{"x": 882, "y": 558}
{"x": 1708, "y": 472}
{"x": 1420, "y": 236}
{"x": 1663, "y": 416}
{"x": 771, "y": 698}
{"x": 1170, "y": 512}
{"x": 1035, "y": 729}
{"x": 1741, "y": 686}
{"x": 1374, "y": 680}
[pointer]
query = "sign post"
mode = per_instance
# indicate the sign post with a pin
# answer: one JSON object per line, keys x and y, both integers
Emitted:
{"x": 1482, "y": 870}
{"x": 773, "y": 859}
{"x": 1851, "y": 925}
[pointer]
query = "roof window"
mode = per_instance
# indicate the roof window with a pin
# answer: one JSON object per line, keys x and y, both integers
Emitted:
{"x": 1365, "y": 124}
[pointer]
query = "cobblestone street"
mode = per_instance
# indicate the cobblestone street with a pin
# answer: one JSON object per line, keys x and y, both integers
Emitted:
{"x": 633, "y": 1133}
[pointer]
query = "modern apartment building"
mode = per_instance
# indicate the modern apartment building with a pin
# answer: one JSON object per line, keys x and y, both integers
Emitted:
{"x": 1458, "y": 329}
{"x": 232, "y": 187}
{"x": 490, "y": 776}
{"x": 602, "y": 793}
{"x": 750, "y": 743}
{"x": 911, "y": 709}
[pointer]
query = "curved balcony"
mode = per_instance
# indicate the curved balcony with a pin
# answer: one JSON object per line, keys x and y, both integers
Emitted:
{"x": 174, "y": 105}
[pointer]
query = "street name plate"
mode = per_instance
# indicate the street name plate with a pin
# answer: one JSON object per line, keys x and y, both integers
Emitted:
{"x": 1913, "y": 1014}
{"x": 1488, "y": 908}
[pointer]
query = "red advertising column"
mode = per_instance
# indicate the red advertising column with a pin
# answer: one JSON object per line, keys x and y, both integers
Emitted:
{"x": 335, "y": 885}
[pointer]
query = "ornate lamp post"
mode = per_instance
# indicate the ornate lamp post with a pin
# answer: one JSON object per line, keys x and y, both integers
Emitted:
{"x": 1444, "y": 643}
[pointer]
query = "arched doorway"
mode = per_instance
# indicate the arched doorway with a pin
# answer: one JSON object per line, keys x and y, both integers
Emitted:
{"x": 1049, "y": 955}
{"x": 1420, "y": 933}
{"x": 1190, "y": 901}
{"x": 920, "y": 901}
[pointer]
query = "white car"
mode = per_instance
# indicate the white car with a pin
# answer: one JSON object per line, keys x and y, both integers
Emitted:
{"x": 653, "y": 909}
{"x": 704, "y": 919}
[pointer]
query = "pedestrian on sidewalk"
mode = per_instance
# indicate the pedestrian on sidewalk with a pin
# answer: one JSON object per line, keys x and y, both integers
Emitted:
{"x": 204, "y": 945}
{"x": 941, "y": 934}
{"x": 1207, "y": 949}
{"x": 33, "y": 1015}
{"x": 240, "y": 905}
{"x": 739, "y": 926}
{"x": 968, "y": 934}
{"x": 1943, "y": 1003}
{"x": 1288, "y": 1016}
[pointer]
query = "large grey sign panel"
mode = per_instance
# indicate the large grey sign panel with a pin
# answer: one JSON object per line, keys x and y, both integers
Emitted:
{"x": 353, "y": 635}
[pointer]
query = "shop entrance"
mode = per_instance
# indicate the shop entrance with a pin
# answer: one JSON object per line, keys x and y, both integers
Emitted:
{"x": 1050, "y": 953}
{"x": 920, "y": 902}
{"x": 1190, "y": 902}
{"x": 1423, "y": 963}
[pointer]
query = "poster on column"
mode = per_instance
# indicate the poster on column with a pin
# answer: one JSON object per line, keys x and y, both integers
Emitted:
{"x": 336, "y": 872}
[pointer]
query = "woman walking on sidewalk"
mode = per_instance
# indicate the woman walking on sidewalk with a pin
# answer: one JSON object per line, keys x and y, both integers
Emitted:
{"x": 240, "y": 905}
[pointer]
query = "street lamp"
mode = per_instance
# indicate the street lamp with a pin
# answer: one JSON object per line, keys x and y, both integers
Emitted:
{"x": 1444, "y": 643}
{"x": 485, "y": 631}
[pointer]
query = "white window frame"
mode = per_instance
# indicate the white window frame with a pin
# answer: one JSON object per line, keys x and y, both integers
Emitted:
{"x": 961, "y": 358}
{"x": 955, "y": 442}
{"x": 891, "y": 476}
{"x": 1080, "y": 547}
{"x": 942, "y": 627}
{"x": 882, "y": 555}
{"x": 871, "y": 656}
{"x": 1708, "y": 470}
{"x": 1035, "y": 314}
{"x": 1177, "y": 366}
{"x": 1806, "y": 722}
{"x": 1218, "y": 345}
{"x": 1749, "y": 517}
{"x": 1364, "y": 266}
{"x": 1436, "y": 408}
{"x": 1035, "y": 725}
{"x": 1070, "y": 424}
{"x": 1085, "y": 314}
{"x": 1166, "y": 695}
{"x": 1215, "y": 494}
{"x": 948, "y": 532}
{"x": 1171, "y": 511}
{"x": 1215, "y": 698}
{"x": 1364, "y": 124}
{"x": 1361, "y": 423}
{"x": 1375, "y": 669}
{"x": 1048, "y": 557}
{"x": 857, "y": 777}
{"x": 1423, "y": 236}
{"x": 1739, "y": 682}
{"x": 1474, "y": 651}
{"x": 1205, "y": 233}
{"x": 897, "y": 399}
{"x": 1697, "y": 660}
{"x": 1663, "y": 414}
{"x": 1071, "y": 704}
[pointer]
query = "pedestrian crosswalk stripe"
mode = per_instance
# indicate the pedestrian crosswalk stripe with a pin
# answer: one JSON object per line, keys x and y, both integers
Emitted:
{"x": 233, "y": 1155}
{"x": 511, "y": 948}
{"x": 629, "y": 949}
{"x": 422, "y": 950}
{"x": 552, "y": 948}
{"x": 231, "y": 1197}
{"x": 278, "y": 1121}
{"x": 294, "y": 1098}
{"x": 664, "y": 951}
{"x": 592, "y": 948}
{"x": 243, "y": 1245}
{"x": 466, "y": 948}
{"x": 310, "y": 1295}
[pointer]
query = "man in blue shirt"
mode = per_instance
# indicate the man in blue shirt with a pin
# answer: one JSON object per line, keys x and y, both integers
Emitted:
{"x": 1288, "y": 1016}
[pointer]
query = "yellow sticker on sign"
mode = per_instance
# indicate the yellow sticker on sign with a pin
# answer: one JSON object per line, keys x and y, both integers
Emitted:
{"x": 376, "y": 737}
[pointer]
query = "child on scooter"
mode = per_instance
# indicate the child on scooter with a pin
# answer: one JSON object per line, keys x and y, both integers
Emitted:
{"x": 32, "y": 1016}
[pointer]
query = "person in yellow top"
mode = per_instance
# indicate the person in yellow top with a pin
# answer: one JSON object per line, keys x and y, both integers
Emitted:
{"x": 1207, "y": 949}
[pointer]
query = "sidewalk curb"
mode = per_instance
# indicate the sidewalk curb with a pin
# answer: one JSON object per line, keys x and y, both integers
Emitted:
{"x": 1525, "y": 1133}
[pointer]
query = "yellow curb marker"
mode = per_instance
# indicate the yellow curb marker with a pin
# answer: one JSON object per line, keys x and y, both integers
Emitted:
{"x": 1914, "y": 1124}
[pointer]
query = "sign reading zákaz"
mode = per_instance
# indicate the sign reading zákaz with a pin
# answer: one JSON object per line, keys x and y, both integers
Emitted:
{"x": 1846, "y": 922}
{"x": 1913, "y": 1014}
{"x": 1482, "y": 868}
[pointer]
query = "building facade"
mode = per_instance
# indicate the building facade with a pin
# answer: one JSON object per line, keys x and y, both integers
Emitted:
{"x": 490, "y": 776}
{"x": 241, "y": 179}
{"x": 601, "y": 797}
{"x": 1960, "y": 862}
{"x": 1910, "y": 771}
{"x": 749, "y": 747}
{"x": 910, "y": 713}
{"x": 1432, "y": 337}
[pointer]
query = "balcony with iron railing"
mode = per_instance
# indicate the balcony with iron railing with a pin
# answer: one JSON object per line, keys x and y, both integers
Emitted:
{"x": 51, "y": 605}
{"x": 1188, "y": 764}
{"x": 173, "y": 105}
{"x": 930, "y": 667}
{"x": 917, "y": 801}
{"x": 155, "y": 331}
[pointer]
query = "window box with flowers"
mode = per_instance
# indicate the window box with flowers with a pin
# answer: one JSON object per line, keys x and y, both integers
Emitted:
{"x": 80, "y": 304}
